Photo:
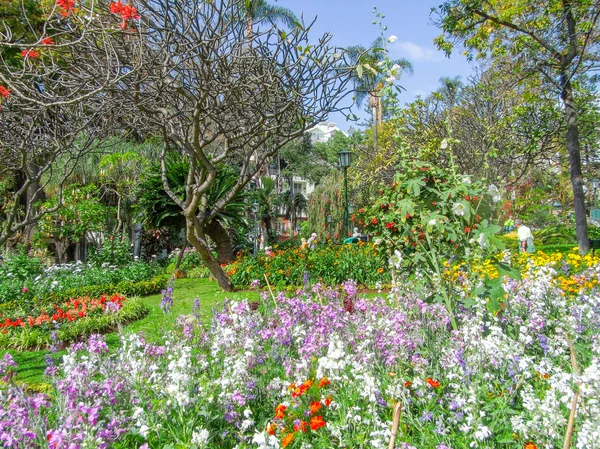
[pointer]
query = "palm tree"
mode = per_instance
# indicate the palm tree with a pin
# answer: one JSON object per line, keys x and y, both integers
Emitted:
{"x": 257, "y": 10}
{"x": 369, "y": 83}
{"x": 268, "y": 202}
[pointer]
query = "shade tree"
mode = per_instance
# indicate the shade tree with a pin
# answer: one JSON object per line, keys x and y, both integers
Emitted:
{"x": 219, "y": 98}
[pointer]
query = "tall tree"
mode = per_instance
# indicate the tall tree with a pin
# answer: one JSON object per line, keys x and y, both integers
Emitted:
{"x": 551, "y": 42}
{"x": 369, "y": 80}
{"x": 259, "y": 10}
{"x": 220, "y": 97}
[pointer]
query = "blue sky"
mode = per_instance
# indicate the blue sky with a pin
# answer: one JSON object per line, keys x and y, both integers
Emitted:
{"x": 350, "y": 22}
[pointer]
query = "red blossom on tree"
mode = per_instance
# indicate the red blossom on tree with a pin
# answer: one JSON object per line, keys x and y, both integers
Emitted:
{"x": 4, "y": 92}
{"x": 66, "y": 7}
{"x": 125, "y": 11}
{"x": 47, "y": 41}
{"x": 31, "y": 53}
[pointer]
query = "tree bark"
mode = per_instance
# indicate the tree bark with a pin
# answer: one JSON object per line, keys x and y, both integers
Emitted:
{"x": 61, "y": 245}
{"x": 197, "y": 237}
{"x": 219, "y": 235}
{"x": 572, "y": 140}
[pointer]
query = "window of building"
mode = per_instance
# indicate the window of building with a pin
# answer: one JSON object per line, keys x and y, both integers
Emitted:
{"x": 300, "y": 187}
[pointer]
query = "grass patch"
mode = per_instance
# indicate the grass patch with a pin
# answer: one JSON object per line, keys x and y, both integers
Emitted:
{"x": 154, "y": 325}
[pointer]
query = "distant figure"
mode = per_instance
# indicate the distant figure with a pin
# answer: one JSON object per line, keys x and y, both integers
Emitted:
{"x": 525, "y": 237}
{"x": 269, "y": 251}
{"x": 356, "y": 233}
{"x": 304, "y": 244}
{"x": 509, "y": 225}
{"x": 312, "y": 241}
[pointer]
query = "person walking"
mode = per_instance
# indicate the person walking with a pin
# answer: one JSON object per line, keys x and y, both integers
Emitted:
{"x": 525, "y": 237}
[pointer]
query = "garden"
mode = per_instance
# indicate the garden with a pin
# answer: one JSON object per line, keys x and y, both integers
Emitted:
{"x": 193, "y": 256}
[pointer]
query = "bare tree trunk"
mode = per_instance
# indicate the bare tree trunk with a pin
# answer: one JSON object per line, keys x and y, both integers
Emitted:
{"x": 61, "y": 245}
{"x": 222, "y": 240}
{"x": 197, "y": 237}
{"x": 572, "y": 138}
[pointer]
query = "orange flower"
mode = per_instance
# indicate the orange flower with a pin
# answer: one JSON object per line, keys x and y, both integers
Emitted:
{"x": 407, "y": 384}
{"x": 302, "y": 427}
{"x": 328, "y": 401}
{"x": 286, "y": 440}
{"x": 271, "y": 429}
{"x": 432, "y": 383}
{"x": 529, "y": 445}
{"x": 315, "y": 407}
{"x": 279, "y": 411}
{"x": 324, "y": 382}
{"x": 317, "y": 422}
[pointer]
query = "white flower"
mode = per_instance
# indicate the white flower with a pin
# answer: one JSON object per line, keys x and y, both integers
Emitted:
{"x": 396, "y": 71}
{"x": 265, "y": 441}
{"x": 380, "y": 63}
{"x": 466, "y": 180}
{"x": 200, "y": 437}
{"x": 396, "y": 259}
{"x": 444, "y": 144}
{"x": 432, "y": 222}
{"x": 494, "y": 193}
{"x": 482, "y": 241}
{"x": 392, "y": 39}
{"x": 458, "y": 209}
{"x": 390, "y": 80}
{"x": 378, "y": 241}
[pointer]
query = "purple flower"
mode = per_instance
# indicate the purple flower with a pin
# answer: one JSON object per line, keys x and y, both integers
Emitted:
{"x": 166, "y": 302}
{"x": 427, "y": 416}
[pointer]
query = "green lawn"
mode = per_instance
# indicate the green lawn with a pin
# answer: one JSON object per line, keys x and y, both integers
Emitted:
{"x": 154, "y": 325}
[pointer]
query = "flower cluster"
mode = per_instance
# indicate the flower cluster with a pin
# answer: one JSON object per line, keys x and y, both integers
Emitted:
{"x": 67, "y": 312}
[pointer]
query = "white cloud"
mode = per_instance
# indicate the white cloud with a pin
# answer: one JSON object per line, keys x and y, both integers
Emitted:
{"x": 415, "y": 52}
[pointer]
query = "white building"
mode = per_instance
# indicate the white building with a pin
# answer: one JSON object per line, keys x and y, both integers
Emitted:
{"x": 323, "y": 131}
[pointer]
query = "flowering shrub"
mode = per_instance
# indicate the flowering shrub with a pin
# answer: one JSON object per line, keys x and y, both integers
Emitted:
{"x": 504, "y": 379}
{"x": 429, "y": 208}
{"x": 331, "y": 264}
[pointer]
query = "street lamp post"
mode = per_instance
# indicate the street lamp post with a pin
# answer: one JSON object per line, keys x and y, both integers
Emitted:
{"x": 255, "y": 209}
{"x": 329, "y": 224}
{"x": 595, "y": 183}
{"x": 344, "y": 159}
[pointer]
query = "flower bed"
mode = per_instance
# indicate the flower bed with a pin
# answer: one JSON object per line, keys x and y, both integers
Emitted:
{"x": 331, "y": 264}
{"x": 24, "y": 278}
{"x": 69, "y": 320}
{"x": 323, "y": 370}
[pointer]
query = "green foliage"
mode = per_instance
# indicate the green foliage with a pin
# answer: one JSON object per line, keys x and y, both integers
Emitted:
{"x": 327, "y": 200}
{"x": 115, "y": 250}
{"x": 81, "y": 211}
{"x": 329, "y": 264}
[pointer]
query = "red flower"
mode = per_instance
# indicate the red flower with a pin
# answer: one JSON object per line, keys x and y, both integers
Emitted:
{"x": 408, "y": 216}
{"x": 467, "y": 230}
{"x": 317, "y": 422}
{"x": 374, "y": 221}
{"x": 432, "y": 383}
{"x": 279, "y": 411}
{"x": 24, "y": 290}
{"x": 361, "y": 210}
{"x": 66, "y": 6}
{"x": 467, "y": 197}
{"x": 315, "y": 407}
{"x": 31, "y": 53}
{"x": 390, "y": 225}
{"x": 271, "y": 429}
{"x": 407, "y": 384}
{"x": 301, "y": 427}
{"x": 530, "y": 445}
{"x": 47, "y": 41}
{"x": 328, "y": 401}
{"x": 4, "y": 92}
{"x": 125, "y": 11}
